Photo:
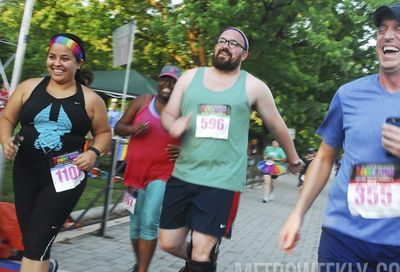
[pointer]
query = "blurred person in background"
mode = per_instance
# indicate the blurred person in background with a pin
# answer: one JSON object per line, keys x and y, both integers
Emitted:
{"x": 277, "y": 156}
{"x": 113, "y": 113}
{"x": 307, "y": 159}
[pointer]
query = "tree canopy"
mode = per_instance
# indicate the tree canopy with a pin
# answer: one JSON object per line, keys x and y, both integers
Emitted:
{"x": 303, "y": 49}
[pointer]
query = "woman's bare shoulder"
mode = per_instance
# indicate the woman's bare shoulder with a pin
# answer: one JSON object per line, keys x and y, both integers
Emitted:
{"x": 91, "y": 97}
{"x": 25, "y": 88}
{"x": 30, "y": 83}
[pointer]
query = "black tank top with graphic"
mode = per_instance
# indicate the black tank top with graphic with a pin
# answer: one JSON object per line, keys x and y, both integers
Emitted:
{"x": 52, "y": 126}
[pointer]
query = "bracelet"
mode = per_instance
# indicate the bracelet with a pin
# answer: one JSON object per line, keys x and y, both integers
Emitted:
{"x": 296, "y": 163}
{"x": 95, "y": 150}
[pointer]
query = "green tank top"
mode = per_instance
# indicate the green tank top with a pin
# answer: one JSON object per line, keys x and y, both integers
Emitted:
{"x": 214, "y": 149}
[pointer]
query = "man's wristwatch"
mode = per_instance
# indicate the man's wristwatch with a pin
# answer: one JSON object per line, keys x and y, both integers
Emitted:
{"x": 296, "y": 163}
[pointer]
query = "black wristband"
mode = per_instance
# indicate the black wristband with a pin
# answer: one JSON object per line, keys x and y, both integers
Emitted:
{"x": 296, "y": 163}
{"x": 95, "y": 150}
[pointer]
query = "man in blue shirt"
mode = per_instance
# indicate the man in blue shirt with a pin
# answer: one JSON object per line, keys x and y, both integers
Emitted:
{"x": 361, "y": 224}
{"x": 113, "y": 113}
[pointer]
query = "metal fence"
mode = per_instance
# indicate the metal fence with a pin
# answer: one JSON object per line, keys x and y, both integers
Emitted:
{"x": 110, "y": 211}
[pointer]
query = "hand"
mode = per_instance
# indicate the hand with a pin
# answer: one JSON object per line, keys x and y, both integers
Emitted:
{"x": 140, "y": 129}
{"x": 173, "y": 152}
{"x": 391, "y": 139}
{"x": 279, "y": 160}
{"x": 85, "y": 160}
{"x": 10, "y": 146}
{"x": 309, "y": 157}
{"x": 289, "y": 235}
{"x": 180, "y": 126}
{"x": 297, "y": 166}
{"x": 132, "y": 190}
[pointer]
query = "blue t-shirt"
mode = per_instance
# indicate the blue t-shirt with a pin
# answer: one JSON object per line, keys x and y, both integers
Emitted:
{"x": 354, "y": 122}
{"x": 113, "y": 117}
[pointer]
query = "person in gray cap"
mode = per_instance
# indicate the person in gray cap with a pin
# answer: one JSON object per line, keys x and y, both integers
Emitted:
{"x": 361, "y": 224}
{"x": 150, "y": 159}
{"x": 210, "y": 110}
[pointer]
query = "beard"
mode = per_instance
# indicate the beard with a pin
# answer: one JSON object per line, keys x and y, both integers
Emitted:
{"x": 225, "y": 65}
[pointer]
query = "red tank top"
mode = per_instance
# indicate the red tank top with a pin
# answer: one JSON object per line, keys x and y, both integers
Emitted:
{"x": 147, "y": 158}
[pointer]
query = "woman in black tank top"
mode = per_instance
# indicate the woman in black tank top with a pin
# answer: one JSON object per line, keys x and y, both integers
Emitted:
{"x": 49, "y": 175}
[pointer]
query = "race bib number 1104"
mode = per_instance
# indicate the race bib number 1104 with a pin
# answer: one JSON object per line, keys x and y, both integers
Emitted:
{"x": 64, "y": 173}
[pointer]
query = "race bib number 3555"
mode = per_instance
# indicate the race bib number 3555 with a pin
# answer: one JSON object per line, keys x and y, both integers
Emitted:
{"x": 212, "y": 121}
{"x": 374, "y": 190}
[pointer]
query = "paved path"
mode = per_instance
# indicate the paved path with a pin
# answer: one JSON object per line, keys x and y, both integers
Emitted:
{"x": 253, "y": 247}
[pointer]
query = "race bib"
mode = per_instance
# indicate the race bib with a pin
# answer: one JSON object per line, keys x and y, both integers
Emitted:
{"x": 374, "y": 191}
{"x": 64, "y": 173}
{"x": 130, "y": 200}
{"x": 213, "y": 121}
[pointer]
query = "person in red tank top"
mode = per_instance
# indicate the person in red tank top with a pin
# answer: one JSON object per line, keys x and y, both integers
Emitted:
{"x": 150, "y": 160}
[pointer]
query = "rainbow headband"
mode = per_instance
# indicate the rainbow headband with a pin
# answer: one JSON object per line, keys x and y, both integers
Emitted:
{"x": 71, "y": 44}
{"x": 246, "y": 41}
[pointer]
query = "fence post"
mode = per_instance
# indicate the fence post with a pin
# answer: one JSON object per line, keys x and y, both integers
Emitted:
{"x": 2, "y": 169}
{"x": 109, "y": 189}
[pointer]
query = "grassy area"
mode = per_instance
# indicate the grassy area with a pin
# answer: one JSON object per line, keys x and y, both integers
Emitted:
{"x": 7, "y": 192}
{"x": 93, "y": 187}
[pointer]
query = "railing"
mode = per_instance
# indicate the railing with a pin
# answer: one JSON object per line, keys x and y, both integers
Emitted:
{"x": 254, "y": 175}
{"x": 114, "y": 173}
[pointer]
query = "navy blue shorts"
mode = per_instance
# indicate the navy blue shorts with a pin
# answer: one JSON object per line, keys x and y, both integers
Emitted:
{"x": 203, "y": 209}
{"x": 340, "y": 252}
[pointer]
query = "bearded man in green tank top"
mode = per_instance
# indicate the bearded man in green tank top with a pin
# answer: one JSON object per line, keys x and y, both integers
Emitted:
{"x": 210, "y": 110}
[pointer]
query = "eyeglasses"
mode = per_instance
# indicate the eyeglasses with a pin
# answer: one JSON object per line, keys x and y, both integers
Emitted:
{"x": 231, "y": 43}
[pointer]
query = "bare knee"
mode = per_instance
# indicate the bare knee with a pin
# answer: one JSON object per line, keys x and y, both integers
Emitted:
{"x": 267, "y": 179}
{"x": 168, "y": 246}
{"x": 172, "y": 246}
{"x": 202, "y": 248}
{"x": 173, "y": 241}
{"x": 201, "y": 253}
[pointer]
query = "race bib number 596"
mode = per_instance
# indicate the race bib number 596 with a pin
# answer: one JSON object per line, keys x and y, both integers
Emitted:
{"x": 213, "y": 121}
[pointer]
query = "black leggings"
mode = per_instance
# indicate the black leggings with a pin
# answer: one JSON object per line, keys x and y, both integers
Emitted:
{"x": 41, "y": 211}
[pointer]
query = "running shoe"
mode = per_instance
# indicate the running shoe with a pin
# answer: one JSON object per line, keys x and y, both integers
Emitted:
{"x": 53, "y": 265}
{"x": 69, "y": 222}
{"x": 135, "y": 268}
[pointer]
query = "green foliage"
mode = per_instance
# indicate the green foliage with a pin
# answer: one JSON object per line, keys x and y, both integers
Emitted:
{"x": 7, "y": 190}
{"x": 304, "y": 50}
